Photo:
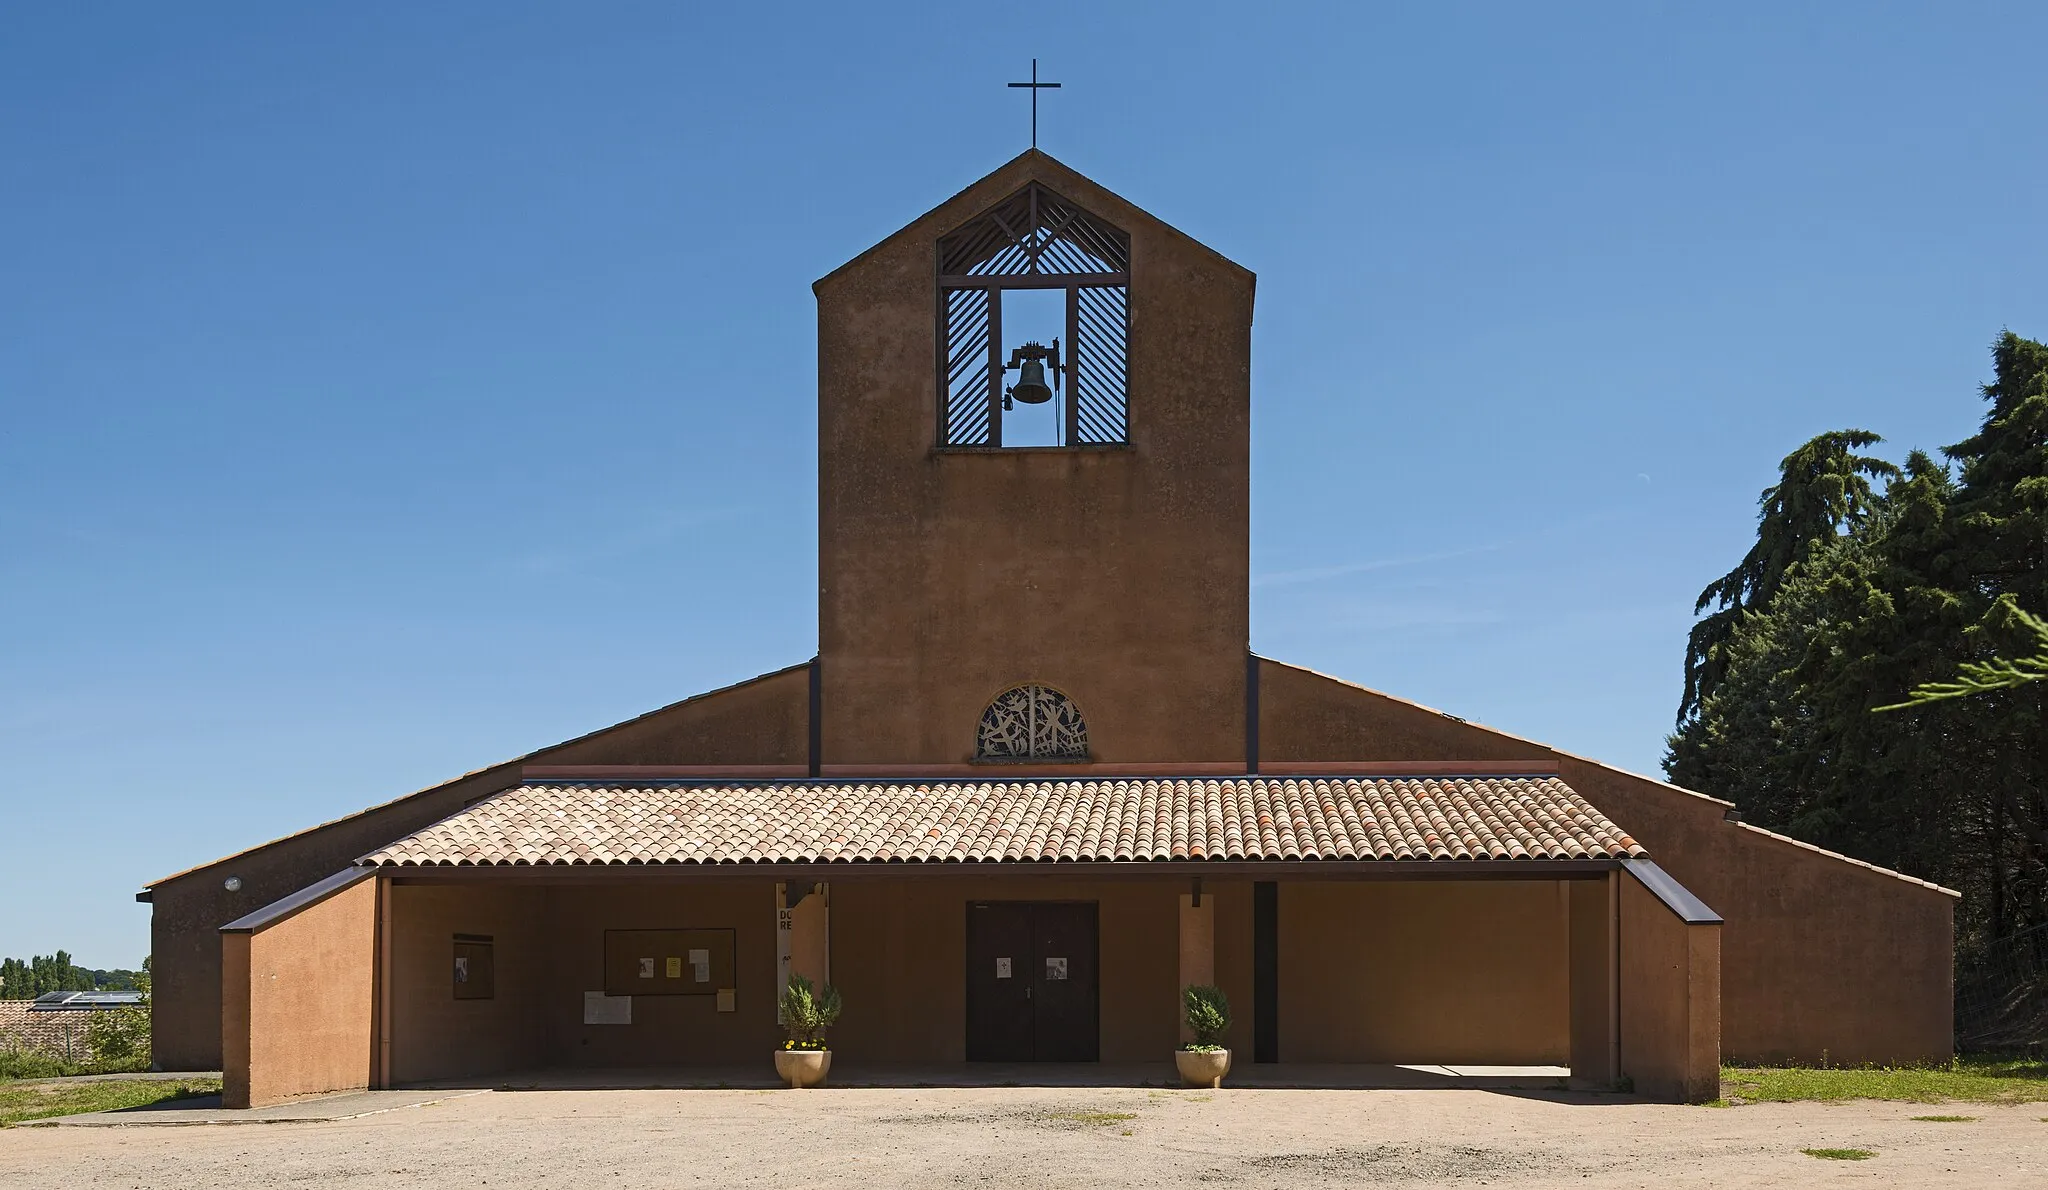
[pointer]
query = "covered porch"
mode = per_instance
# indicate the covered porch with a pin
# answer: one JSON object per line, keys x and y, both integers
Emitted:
{"x": 1494, "y": 927}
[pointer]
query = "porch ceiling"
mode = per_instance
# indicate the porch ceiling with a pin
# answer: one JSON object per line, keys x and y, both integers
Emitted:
{"x": 1477, "y": 818}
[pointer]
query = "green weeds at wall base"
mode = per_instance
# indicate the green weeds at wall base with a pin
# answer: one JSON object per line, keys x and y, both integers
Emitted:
{"x": 1971, "y": 1080}
{"x": 36, "y": 1101}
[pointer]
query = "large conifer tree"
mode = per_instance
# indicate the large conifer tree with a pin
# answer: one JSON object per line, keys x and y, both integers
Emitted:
{"x": 1823, "y": 488}
{"x": 1850, "y": 600}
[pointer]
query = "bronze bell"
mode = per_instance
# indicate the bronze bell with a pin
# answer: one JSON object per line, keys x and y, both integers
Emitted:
{"x": 1030, "y": 361}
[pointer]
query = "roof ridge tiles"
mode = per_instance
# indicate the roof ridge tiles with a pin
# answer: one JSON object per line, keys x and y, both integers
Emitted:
{"x": 1020, "y": 819}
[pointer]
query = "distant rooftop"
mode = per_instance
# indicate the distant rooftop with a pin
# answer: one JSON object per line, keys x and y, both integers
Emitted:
{"x": 83, "y": 1001}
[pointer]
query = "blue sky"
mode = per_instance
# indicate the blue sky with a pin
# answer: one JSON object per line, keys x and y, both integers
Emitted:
{"x": 389, "y": 390}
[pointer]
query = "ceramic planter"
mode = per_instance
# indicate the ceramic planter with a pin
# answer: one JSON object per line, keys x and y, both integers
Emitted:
{"x": 1202, "y": 1068}
{"x": 802, "y": 1068}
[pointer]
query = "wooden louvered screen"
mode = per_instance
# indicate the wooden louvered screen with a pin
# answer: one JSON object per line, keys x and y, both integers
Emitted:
{"x": 1097, "y": 409}
{"x": 970, "y": 413}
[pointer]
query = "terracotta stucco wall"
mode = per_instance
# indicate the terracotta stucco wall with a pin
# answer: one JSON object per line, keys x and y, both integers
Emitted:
{"x": 1117, "y": 576}
{"x": 301, "y": 1008}
{"x": 1821, "y": 955}
{"x": 1671, "y": 1007}
{"x": 764, "y": 721}
{"x": 1425, "y": 971}
{"x": 433, "y": 1035}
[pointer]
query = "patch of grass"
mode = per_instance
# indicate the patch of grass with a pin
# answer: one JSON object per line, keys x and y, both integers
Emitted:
{"x": 1840, "y": 1154}
{"x": 38, "y": 1101}
{"x": 1946, "y": 1119}
{"x": 1099, "y": 1118}
{"x": 1971, "y": 1080}
{"x": 35, "y": 1063}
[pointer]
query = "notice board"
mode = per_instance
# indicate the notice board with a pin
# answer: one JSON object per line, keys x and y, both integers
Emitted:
{"x": 667, "y": 962}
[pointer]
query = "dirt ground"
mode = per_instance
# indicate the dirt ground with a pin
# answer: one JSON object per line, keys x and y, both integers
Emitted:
{"x": 1067, "y": 1137}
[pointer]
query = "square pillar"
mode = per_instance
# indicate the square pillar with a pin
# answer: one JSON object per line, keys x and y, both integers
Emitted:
{"x": 1197, "y": 950}
{"x": 1595, "y": 980}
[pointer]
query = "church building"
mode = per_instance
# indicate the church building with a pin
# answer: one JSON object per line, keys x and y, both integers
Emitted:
{"x": 1034, "y": 782}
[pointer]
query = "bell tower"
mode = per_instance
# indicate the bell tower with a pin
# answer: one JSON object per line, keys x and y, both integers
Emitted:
{"x": 1034, "y": 427}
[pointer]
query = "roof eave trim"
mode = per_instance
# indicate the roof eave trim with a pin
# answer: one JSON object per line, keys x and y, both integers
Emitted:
{"x": 1309, "y": 869}
{"x": 1675, "y": 896}
{"x": 299, "y": 901}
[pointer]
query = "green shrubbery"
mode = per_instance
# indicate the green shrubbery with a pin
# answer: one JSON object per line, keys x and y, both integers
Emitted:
{"x": 1208, "y": 1015}
{"x": 119, "y": 1037}
{"x": 19, "y": 1063}
{"x": 807, "y": 1012}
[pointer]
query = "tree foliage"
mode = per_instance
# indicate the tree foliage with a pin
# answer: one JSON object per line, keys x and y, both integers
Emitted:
{"x": 1855, "y": 598}
{"x": 1988, "y": 677}
{"x": 119, "y": 1037}
{"x": 27, "y": 979}
{"x": 1823, "y": 488}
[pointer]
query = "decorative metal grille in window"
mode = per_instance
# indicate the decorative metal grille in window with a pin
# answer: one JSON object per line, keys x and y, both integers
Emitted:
{"x": 1035, "y": 240}
{"x": 1031, "y": 723}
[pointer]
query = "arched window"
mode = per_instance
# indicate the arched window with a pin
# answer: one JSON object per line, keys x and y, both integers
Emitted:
{"x": 1031, "y": 723}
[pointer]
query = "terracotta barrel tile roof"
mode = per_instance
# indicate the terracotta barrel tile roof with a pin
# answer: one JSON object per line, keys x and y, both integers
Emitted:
{"x": 1028, "y": 819}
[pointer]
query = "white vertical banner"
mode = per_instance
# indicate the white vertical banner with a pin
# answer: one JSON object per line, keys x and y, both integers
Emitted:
{"x": 803, "y": 937}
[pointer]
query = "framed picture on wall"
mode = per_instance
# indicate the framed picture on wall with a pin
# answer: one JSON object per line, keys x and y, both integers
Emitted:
{"x": 475, "y": 974}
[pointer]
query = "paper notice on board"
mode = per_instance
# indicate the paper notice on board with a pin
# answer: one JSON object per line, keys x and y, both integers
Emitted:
{"x": 675, "y": 967}
{"x": 700, "y": 966}
{"x": 1002, "y": 968}
{"x": 600, "y": 1009}
{"x": 647, "y": 968}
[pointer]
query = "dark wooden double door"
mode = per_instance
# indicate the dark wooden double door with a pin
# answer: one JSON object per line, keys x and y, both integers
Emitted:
{"x": 1031, "y": 981}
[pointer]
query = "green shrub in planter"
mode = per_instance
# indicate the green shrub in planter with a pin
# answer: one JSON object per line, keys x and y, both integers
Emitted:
{"x": 1208, "y": 1016}
{"x": 807, "y": 1012}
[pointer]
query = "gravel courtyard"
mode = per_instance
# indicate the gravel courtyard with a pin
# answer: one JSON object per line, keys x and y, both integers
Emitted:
{"x": 1031, "y": 1136}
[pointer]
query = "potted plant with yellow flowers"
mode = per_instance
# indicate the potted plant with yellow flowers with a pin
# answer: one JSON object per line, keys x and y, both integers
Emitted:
{"x": 1203, "y": 1062}
{"x": 807, "y": 1011}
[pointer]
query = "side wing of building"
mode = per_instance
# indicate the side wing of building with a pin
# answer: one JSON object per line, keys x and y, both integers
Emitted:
{"x": 1822, "y": 955}
{"x": 763, "y": 721}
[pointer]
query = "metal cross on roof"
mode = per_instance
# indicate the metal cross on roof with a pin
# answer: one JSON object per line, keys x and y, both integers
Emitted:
{"x": 1035, "y": 87}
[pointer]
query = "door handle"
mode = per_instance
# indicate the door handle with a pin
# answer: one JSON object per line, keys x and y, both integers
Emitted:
{"x": 1027, "y": 991}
